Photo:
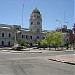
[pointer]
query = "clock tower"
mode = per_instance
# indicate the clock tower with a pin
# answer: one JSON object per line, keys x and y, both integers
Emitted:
{"x": 35, "y": 21}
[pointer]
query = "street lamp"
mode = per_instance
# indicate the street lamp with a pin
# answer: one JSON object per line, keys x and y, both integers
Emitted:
{"x": 61, "y": 24}
{"x": 61, "y": 32}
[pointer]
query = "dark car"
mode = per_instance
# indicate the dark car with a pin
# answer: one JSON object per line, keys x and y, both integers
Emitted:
{"x": 19, "y": 48}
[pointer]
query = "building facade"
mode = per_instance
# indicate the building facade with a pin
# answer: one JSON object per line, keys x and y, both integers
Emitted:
{"x": 73, "y": 35}
{"x": 7, "y": 34}
{"x": 67, "y": 34}
{"x": 10, "y": 34}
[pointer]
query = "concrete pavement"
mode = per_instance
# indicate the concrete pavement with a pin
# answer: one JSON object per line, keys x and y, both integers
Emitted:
{"x": 26, "y": 63}
{"x": 69, "y": 59}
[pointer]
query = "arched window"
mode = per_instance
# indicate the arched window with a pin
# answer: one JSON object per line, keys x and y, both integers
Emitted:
{"x": 9, "y": 35}
{"x": 37, "y": 37}
{"x": 31, "y": 23}
{"x": 38, "y": 22}
{"x": 30, "y": 37}
{"x": 2, "y": 43}
{"x": 27, "y": 36}
{"x": 2, "y": 34}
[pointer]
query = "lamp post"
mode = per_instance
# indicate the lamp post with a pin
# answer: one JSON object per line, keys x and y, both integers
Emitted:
{"x": 61, "y": 24}
{"x": 61, "y": 32}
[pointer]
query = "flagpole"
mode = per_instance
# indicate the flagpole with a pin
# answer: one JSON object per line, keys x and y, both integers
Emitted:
{"x": 22, "y": 14}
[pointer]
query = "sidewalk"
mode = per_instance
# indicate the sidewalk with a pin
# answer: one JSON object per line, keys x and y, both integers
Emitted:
{"x": 67, "y": 58}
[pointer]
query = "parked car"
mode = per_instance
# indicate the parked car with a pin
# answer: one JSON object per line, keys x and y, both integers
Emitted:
{"x": 19, "y": 48}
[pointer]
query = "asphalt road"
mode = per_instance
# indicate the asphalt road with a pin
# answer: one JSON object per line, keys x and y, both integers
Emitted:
{"x": 34, "y": 64}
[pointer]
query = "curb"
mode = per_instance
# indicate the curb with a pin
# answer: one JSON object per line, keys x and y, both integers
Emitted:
{"x": 15, "y": 52}
{"x": 35, "y": 52}
{"x": 25, "y": 52}
{"x": 71, "y": 63}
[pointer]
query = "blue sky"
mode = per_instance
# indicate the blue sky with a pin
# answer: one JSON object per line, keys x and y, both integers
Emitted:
{"x": 51, "y": 10}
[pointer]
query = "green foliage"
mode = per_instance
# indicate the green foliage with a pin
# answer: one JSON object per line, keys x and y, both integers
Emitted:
{"x": 39, "y": 43}
{"x": 22, "y": 42}
{"x": 49, "y": 37}
{"x": 27, "y": 45}
{"x": 54, "y": 38}
{"x": 44, "y": 43}
{"x": 58, "y": 38}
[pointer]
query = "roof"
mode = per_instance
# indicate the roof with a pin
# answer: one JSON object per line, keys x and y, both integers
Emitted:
{"x": 25, "y": 29}
{"x": 4, "y": 27}
{"x": 36, "y": 11}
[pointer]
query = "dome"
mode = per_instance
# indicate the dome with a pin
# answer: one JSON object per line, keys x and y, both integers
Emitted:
{"x": 36, "y": 11}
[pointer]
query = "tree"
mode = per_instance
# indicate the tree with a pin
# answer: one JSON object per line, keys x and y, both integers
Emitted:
{"x": 57, "y": 41}
{"x": 67, "y": 44}
{"x": 54, "y": 38}
{"x": 58, "y": 38}
{"x": 44, "y": 43}
{"x": 49, "y": 38}
{"x": 38, "y": 44}
{"x": 22, "y": 42}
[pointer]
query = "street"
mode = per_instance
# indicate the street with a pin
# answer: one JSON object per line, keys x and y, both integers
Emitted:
{"x": 34, "y": 64}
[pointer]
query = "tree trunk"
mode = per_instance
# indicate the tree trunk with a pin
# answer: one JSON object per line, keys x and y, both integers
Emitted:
{"x": 55, "y": 49}
{"x": 49, "y": 47}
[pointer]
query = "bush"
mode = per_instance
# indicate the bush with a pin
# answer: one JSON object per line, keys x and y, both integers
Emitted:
{"x": 22, "y": 42}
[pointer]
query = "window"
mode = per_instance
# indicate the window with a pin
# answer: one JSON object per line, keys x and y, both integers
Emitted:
{"x": 9, "y": 43}
{"x": 31, "y": 23}
{"x": 30, "y": 37}
{"x": 2, "y": 34}
{"x": 26, "y": 36}
{"x": 23, "y": 36}
{"x": 38, "y": 16}
{"x": 9, "y": 35}
{"x": 2, "y": 42}
{"x": 38, "y": 22}
{"x": 37, "y": 37}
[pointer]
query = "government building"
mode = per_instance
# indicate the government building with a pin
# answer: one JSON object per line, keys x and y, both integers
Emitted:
{"x": 10, "y": 34}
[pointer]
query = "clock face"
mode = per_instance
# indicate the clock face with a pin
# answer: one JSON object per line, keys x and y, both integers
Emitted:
{"x": 38, "y": 22}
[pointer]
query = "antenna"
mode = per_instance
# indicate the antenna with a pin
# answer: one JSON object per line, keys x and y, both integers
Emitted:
{"x": 22, "y": 14}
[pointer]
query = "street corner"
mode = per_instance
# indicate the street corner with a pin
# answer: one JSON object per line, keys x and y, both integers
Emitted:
{"x": 68, "y": 59}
